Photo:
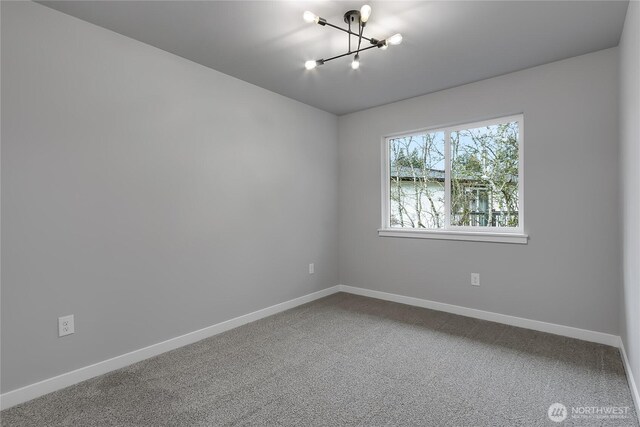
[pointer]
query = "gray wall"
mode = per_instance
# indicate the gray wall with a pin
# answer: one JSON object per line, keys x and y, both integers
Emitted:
{"x": 630, "y": 183}
{"x": 146, "y": 194}
{"x": 569, "y": 271}
{"x": 151, "y": 196}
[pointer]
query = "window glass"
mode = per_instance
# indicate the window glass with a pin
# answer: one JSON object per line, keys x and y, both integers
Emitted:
{"x": 417, "y": 181}
{"x": 484, "y": 176}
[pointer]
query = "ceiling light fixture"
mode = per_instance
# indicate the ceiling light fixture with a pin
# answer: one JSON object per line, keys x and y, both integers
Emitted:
{"x": 356, "y": 17}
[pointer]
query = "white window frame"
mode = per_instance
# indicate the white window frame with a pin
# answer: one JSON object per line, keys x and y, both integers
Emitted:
{"x": 449, "y": 232}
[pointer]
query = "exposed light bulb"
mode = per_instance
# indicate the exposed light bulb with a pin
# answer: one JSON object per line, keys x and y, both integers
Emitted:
{"x": 310, "y": 17}
{"x": 310, "y": 65}
{"x": 395, "y": 39}
{"x": 365, "y": 13}
{"x": 356, "y": 62}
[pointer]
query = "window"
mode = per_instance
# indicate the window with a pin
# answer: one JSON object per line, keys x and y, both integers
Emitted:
{"x": 461, "y": 182}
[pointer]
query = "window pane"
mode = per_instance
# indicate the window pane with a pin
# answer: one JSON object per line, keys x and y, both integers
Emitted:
{"x": 417, "y": 181}
{"x": 484, "y": 176}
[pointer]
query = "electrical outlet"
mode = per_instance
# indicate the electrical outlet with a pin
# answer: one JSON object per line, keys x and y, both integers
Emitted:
{"x": 312, "y": 268}
{"x": 475, "y": 279}
{"x": 66, "y": 325}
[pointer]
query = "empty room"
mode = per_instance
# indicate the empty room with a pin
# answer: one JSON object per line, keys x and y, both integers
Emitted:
{"x": 320, "y": 213}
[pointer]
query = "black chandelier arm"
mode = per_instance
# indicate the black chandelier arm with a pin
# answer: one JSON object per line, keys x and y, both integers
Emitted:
{"x": 348, "y": 53}
{"x": 349, "y": 36}
{"x": 345, "y": 30}
{"x": 361, "y": 26}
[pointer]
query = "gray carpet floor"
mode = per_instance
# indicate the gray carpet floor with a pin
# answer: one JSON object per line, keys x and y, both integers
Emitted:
{"x": 350, "y": 360}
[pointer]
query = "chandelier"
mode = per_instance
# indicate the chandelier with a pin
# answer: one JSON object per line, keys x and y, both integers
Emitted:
{"x": 357, "y": 18}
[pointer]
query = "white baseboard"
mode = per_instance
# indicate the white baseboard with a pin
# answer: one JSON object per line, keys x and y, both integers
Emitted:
{"x": 536, "y": 325}
{"x": 49, "y": 385}
{"x": 32, "y": 391}
{"x": 632, "y": 382}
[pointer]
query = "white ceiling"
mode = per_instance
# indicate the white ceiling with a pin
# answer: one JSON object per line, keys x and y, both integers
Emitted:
{"x": 445, "y": 44}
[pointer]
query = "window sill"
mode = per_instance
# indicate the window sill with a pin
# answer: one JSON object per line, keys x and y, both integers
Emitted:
{"x": 470, "y": 236}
